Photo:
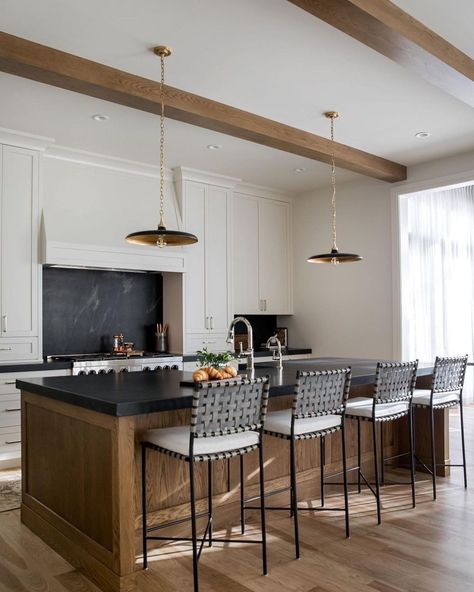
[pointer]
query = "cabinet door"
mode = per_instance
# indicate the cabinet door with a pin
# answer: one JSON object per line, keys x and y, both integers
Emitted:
{"x": 245, "y": 254}
{"x": 217, "y": 294}
{"x": 19, "y": 265}
{"x": 194, "y": 281}
{"x": 274, "y": 256}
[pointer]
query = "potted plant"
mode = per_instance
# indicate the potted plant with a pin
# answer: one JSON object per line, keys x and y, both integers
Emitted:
{"x": 214, "y": 366}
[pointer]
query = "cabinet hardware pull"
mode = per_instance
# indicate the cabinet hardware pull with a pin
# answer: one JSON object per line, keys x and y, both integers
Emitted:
{"x": 212, "y": 323}
{"x": 10, "y": 382}
{"x": 5, "y": 349}
{"x": 4, "y": 323}
{"x": 265, "y": 304}
{"x": 207, "y": 323}
{"x": 12, "y": 441}
{"x": 9, "y": 410}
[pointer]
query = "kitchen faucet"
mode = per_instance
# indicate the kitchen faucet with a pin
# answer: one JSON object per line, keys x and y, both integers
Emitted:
{"x": 274, "y": 345}
{"x": 249, "y": 351}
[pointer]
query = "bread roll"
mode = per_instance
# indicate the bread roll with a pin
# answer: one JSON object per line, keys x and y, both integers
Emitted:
{"x": 213, "y": 373}
{"x": 231, "y": 370}
{"x": 200, "y": 375}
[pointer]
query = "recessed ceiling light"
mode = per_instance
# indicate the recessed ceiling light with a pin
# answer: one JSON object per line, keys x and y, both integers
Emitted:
{"x": 422, "y": 135}
{"x": 299, "y": 170}
{"x": 100, "y": 117}
{"x": 214, "y": 146}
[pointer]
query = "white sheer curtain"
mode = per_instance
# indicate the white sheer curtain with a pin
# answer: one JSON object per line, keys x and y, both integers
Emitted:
{"x": 437, "y": 269}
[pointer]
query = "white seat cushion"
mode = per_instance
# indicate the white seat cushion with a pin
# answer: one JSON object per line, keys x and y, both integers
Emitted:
{"x": 423, "y": 397}
{"x": 362, "y": 407}
{"x": 280, "y": 422}
{"x": 177, "y": 440}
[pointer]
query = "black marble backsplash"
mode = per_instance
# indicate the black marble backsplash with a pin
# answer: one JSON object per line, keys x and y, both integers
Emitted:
{"x": 84, "y": 308}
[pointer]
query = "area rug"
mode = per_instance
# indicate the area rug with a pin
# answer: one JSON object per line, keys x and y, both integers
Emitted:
{"x": 10, "y": 490}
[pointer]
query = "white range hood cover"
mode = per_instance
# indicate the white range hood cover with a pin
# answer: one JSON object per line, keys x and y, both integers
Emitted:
{"x": 91, "y": 202}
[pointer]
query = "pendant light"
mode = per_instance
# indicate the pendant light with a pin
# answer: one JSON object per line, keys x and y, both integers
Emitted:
{"x": 162, "y": 237}
{"x": 334, "y": 256}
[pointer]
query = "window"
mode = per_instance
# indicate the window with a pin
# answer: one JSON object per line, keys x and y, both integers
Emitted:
{"x": 437, "y": 272}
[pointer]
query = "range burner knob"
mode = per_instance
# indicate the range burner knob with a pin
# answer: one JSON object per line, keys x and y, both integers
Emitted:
{"x": 175, "y": 367}
{"x": 92, "y": 372}
{"x": 158, "y": 369}
{"x": 81, "y": 373}
{"x": 123, "y": 369}
{"x": 111, "y": 371}
{"x": 147, "y": 369}
{"x": 102, "y": 371}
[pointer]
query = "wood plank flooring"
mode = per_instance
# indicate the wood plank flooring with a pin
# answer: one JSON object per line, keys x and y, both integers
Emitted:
{"x": 428, "y": 549}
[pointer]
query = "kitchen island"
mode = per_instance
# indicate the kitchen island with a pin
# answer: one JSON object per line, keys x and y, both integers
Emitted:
{"x": 81, "y": 464}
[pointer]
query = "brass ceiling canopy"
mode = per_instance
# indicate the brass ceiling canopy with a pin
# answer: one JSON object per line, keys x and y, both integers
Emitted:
{"x": 162, "y": 237}
{"x": 334, "y": 256}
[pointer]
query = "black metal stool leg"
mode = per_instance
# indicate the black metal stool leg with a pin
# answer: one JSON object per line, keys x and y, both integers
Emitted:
{"x": 322, "y": 454}
{"x": 242, "y": 495}
{"x": 193, "y": 526}
{"x": 461, "y": 414}
{"x": 262, "y": 508}
{"x": 376, "y": 467}
{"x": 433, "y": 452}
{"x": 291, "y": 486}
{"x": 209, "y": 499}
{"x": 144, "y": 515}
{"x": 294, "y": 496}
{"x": 382, "y": 455}
{"x": 412, "y": 456}
{"x": 344, "y": 470}
{"x": 359, "y": 489}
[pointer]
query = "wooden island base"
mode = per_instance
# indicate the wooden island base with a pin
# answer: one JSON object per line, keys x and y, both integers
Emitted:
{"x": 81, "y": 472}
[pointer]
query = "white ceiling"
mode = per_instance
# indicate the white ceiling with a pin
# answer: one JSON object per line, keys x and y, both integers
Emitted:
{"x": 276, "y": 61}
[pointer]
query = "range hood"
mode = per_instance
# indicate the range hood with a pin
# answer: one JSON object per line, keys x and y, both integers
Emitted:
{"x": 90, "y": 207}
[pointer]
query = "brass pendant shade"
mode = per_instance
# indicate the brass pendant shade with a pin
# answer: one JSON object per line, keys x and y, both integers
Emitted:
{"x": 162, "y": 237}
{"x": 334, "y": 256}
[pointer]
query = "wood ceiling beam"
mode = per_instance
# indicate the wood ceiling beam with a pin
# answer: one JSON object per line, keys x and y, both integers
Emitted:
{"x": 51, "y": 66}
{"x": 389, "y": 30}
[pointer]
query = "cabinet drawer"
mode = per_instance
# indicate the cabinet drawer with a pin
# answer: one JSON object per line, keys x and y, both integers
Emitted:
{"x": 18, "y": 349}
{"x": 10, "y": 411}
{"x": 215, "y": 342}
{"x": 10, "y": 438}
{"x": 7, "y": 386}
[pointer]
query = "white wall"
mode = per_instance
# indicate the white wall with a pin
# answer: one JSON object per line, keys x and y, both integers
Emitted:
{"x": 343, "y": 310}
{"x": 347, "y": 310}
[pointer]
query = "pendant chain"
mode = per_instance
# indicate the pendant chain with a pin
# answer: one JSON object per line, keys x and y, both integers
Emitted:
{"x": 333, "y": 183}
{"x": 162, "y": 140}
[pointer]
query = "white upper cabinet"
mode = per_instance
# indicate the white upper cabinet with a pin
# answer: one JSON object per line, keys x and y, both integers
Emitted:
{"x": 19, "y": 268}
{"x": 262, "y": 271}
{"x": 206, "y": 283}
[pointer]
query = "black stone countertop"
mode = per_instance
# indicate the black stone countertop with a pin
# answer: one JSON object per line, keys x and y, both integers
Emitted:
{"x": 54, "y": 365}
{"x": 262, "y": 353}
{"x": 33, "y": 366}
{"x": 136, "y": 393}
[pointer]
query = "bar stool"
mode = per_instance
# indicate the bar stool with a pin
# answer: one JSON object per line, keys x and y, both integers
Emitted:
{"x": 317, "y": 411}
{"x": 446, "y": 391}
{"x": 226, "y": 421}
{"x": 393, "y": 391}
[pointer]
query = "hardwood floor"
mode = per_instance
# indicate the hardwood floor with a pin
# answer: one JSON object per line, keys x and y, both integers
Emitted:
{"x": 428, "y": 549}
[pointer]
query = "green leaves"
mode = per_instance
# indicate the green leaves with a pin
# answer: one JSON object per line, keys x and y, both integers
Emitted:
{"x": 207, "y": 359}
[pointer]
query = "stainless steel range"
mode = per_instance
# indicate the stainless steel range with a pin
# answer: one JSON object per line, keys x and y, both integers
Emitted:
{"x": 111, "y": 363}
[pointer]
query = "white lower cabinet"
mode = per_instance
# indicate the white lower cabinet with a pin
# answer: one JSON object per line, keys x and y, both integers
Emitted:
{"x": 206, "y": 282}
{"x": 10, "y": 413}
{"x": 261, "y": 256}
